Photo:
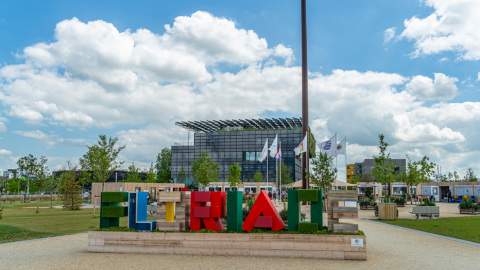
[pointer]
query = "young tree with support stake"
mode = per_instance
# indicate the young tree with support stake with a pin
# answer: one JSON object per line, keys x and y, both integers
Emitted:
{"x": 42, "y": 177}
{"x": 411, "y": 176}
{"x": 151, "y": 174}
{"x": 258, "y": 177}
{"x": 384, "y": 167}
{"x": 323, "y": 172}
{"x": 181, "y": 178}
{"x": 205, "y": 170}
{"x": 234, "y": 176}
{"x": 101, "y": 159}
{"x": 163, "y": 166}
{"x": 286, "y": 174}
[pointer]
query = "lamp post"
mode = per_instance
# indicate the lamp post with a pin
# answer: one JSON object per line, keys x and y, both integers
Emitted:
{"x": 305, "y": 129}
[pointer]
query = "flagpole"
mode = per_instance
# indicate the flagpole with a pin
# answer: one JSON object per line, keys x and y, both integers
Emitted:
{"x": 280, "y": 180}
{"x": 336, "y": 159}
{"x": 346, "y": 169}
{"x": 276, "y": 172}
{"x": 267, "y": 162}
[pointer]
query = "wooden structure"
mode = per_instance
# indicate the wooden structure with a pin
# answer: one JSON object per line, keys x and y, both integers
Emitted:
{"x": 177, "y": 217}
{"x": 387, "y": 211}
{"x": 335, "y": 211}
{"x": 151, "y": 188}
{"x": 340, "y": 247}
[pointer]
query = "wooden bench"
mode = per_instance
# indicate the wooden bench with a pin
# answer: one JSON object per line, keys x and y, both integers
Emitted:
{"x": 426, "y": 210}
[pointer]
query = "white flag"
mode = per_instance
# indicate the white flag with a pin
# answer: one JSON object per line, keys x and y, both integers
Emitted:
{"x": 328, "y": 147}
{"x": 273, "y": 148}
{"x": 342, "y": 147}
{"x": 264, "y": 153}
{"x": 302, "y": 147}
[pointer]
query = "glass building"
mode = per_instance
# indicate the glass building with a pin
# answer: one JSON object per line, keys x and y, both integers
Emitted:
{"x": 239, "y": 141}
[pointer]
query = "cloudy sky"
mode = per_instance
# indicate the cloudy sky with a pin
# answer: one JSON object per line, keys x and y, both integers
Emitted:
{"x": 70, "y": 71}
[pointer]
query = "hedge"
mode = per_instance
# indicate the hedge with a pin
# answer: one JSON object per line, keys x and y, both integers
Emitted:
{"x": 114, "y": 196}
{"x": 308, "y": 195}
{"x": 307, "y": 227}
{"x": 114, "y": 211}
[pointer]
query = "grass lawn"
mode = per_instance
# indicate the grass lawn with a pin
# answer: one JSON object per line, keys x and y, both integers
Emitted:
{"x": 465, "y": 228}
{"x": 20, "y": 223}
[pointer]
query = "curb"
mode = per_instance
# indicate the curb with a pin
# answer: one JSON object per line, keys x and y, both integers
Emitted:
{"x": 427, "y": 233}
{"x": 41, "y": 238}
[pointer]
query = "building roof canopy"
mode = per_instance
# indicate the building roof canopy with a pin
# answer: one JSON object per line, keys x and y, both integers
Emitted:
{"x": 217, "y": 125}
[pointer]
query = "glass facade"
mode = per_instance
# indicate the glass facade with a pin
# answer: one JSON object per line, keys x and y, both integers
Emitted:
{"x": 243, "y": 147}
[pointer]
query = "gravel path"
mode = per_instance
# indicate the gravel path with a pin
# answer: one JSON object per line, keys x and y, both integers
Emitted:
{"x": 388, "y": 248}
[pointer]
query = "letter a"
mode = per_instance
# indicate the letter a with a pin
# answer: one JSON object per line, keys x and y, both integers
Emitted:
{"x": 270, "y": 219}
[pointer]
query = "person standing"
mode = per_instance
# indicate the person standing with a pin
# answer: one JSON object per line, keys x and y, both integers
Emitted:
{"x": 449, "y": 196}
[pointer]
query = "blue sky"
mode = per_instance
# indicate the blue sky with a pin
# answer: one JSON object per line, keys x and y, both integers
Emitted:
{"x": 362, "y": 84}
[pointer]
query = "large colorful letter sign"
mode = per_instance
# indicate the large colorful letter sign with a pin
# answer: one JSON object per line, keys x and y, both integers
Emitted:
{"x": 203, "y": 216}
{"x": 110, "y": 209}
{"x": 270, "y": 219}
{"x": 305, "y": 195}
{"x": 137, "y": 212}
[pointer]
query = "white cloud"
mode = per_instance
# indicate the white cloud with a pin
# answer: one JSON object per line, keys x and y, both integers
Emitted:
{"x": 453, "y": 26}
{"x": 3, "y": 128}
{"x": 119, "y": 78}
{"x": 478, "y": 76}
{"x": 424, "y": 88}
{"x": 5, "y": 152}
{"x": 389, "y": 34}
{"x": 50, "y": 140}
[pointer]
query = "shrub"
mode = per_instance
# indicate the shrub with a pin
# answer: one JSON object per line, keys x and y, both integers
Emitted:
{"x": 307, "y": 227}
{"x": 475, "y": 207}
{"x": 364, "y": 202}
{"x": 111, "y": 197}
{"x": 308, "y": 195}
{"x": 114, "y": 211}
{"x": 427, "y": 202}
{"x": 284, "y": 213}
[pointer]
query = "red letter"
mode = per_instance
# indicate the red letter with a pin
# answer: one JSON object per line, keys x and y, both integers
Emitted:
{"x": 202, "y": 216}
{"x": 270, "y": 219}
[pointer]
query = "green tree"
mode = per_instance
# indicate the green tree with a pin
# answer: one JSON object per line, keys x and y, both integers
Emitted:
{"x": 411, "y": 176}
{"x": 457, "y": 177}
{"x": 323, "y": 171}
{"x": 384, "y": 167}
{"x": 85, "y": 178}
{"x": 27, "y": 166}
{"x": 101, "y": 158}
{"x": 164, "y": 165}
{"x": 133, "y": 175}
{"x": 286, "y": 174}
{"x": 234, "y": 176}
{"x": 258, "y": 177}
{"x": 205, "y": 170}
{"x": 470, "y": 176}
{"x": 70, "y": 188}
{"x": 41, "y": 177}
{"x": 181, "y": 178}
{"x": 450, "y": 176}
{"x": 425, "y": 170}
{"x": 151, "y": 174}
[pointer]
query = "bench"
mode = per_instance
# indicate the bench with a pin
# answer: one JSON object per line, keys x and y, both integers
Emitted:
{"x": 426, "y": 210}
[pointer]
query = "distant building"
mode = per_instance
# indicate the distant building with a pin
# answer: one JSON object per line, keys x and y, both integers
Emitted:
{"x": 350, "y": 173}
{"x": 367, "y": 165}
{"x": 239, "y": 141}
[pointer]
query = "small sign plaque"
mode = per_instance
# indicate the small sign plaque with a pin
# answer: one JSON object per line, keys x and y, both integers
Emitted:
{"x": 357, "y": 242}
{"x": 353, "y": 204}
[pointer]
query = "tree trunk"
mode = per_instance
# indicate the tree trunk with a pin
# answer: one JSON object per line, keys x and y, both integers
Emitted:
{"x": 51, "y": 200}
{"x": 38, "y": 199}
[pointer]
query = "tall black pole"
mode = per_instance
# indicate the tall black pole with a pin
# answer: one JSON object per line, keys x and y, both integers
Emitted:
{"x": 305, "y": 126}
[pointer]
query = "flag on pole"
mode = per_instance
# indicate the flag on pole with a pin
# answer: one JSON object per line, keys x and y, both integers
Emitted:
{"x": 278, "y": 156}
{"x": 264, "y": 153}
{"x": 328, "y": 147}
{"x": 342, "y": 147}
{"x": 273, "y": 148}
{"x": 302, "y": 147}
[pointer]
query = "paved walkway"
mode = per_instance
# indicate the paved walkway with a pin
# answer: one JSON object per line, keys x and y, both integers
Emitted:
{"x": 388, "y": 248}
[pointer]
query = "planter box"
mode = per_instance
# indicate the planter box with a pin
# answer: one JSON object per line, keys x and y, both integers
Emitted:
{"x": 230, "y": 244}
{"x": 387, "y": 211}
{"x": 367, "y": 207}
{"x": 469, "y": 211}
